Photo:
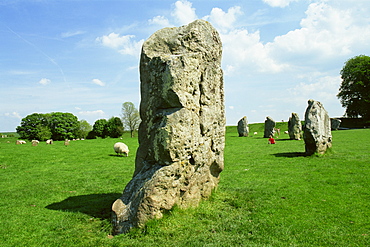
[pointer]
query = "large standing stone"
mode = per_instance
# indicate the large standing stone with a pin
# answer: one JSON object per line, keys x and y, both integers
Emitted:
{"x": 243, "y": 128}
{"x": 294, "y": 127}
{"x": 317, "y": 133}
{"x": 181, "y": 136}
{"x": 335, "y": 123}
{"x": 269, "y": 127}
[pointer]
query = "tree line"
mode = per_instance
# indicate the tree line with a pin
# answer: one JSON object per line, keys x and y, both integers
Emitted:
{"x": 61, "y": 126}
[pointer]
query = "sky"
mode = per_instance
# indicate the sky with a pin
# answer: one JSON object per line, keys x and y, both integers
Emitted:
{"x": 82, "y": 56}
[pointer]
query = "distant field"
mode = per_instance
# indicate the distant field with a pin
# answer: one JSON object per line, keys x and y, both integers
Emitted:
{"x": 269, "y": 195}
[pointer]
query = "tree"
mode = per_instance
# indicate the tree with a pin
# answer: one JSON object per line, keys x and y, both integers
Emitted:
{"x": 44, "y": 132}
{"x": 354, "y": 92}
{"x": 83, "y": 129}
{"x": 130, "y": 117}
{"x": 30, "y": 126}
{"x": 114, "y": 127}
{"x": 63, "y": 125}
{"x": 100, "y": 128}
{"x": 57, "y": 125}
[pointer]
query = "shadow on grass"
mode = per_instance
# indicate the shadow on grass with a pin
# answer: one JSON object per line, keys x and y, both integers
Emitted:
{"x": 95, "y": 205}
{"x": 291, "y": 154}
{"x": 282, "y": 139}
{"x": 118, "y": 156}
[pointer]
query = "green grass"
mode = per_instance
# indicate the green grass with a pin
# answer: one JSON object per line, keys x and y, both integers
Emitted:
{"x": 269, "y": 195}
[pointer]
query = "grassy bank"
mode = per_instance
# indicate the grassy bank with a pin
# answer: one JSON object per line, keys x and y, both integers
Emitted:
{"x": 269, "y": 195}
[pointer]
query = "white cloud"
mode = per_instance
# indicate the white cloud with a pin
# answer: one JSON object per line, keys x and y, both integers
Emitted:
{"x": 245, "y": 51}
{"x": 92, "y": 113}
{"x": 44, "y": 81}
{"x": 114, "y": 40}
{"x": 224, "y": 21}
{"x": 160, "y": 20}
{"x": 326, "y": 34}
{"x": 183, "y": 12}
{"x": 13, "y": 114}
{"x": 321, "y": 88}
{"x": 21, "y": 72}
{"x": 135, "y": 67}
{"x": 229, "y": 70}
{"x": 98, "y": 82}
{"x": 124, "y": 44}
{"x": 279, "y": 3}
{"x": 71, "y": 34}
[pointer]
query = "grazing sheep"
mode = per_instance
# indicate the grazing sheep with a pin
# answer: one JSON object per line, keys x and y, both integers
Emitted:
{"x": 50, "y": 141}
{"x": 121, "y": 148}
{"x": 20, "y": 142}
{"x": 286, "y": 132}
{"x": 66, "y": 142}
{"x": 255, "y": 133}
{"x": 35, "y": 143}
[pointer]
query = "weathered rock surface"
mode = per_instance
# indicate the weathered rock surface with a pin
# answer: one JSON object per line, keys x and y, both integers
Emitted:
{"x": 335, "y": 123}
{"x": 269, "y": 127}
{"x": 181, "y": 136}
{"x": 294, "y": 127}
{"x": 316, "y": 132}
{"x": 243, "y": 128}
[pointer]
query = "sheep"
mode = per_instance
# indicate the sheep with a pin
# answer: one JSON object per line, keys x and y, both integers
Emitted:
{"x": 20, "y": 142}
{"x": 121, "y": 148}
{"x": 50, "y": 141}
{"x": 35, "y": 143}
{"x": 255, "y": 133}
{"x": 286, "y": 132}
{"x": 66, "y": 142}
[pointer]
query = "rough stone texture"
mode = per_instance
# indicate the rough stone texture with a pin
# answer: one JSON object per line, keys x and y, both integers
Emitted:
{"x": 243, "y": 128}
{"x": 335, "y": 123}
{"x": 269, "y": 127}
{"x": 316, "y": 131}
{"x": 294, "y": 127}
{"x": 181, "y": 136}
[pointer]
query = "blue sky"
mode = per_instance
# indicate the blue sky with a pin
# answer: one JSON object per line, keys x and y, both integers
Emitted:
{"x": 82, "y": 56}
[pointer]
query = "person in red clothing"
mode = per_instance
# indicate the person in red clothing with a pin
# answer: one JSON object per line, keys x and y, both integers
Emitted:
{"x": 271, "y": 140}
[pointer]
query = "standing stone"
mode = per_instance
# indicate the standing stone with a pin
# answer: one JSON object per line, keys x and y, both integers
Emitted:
{"x": 294, "y": 127}
{"x": 317, "y": 133}
{"x": 335, "y": 123}
{"x": 182, "y": 133}
{"x": 269, "y": 127}
{"x": 243, "y": 128}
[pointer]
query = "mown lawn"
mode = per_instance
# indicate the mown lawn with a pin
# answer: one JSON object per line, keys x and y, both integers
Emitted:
{"x": 269, "y": 195}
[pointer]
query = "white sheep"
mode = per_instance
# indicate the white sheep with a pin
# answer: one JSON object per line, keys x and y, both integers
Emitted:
{"x": 121, "y": 148}
{"x": 255, "y": 133}
{"x": 20, "y": 142}
{"x": 286, "y": 132}
{"x": 50, "y": 141}
{"x": 35, "y": 143}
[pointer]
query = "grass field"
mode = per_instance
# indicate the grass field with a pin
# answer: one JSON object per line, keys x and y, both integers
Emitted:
{"x": 269, "y": 195}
